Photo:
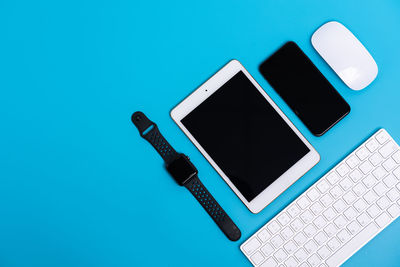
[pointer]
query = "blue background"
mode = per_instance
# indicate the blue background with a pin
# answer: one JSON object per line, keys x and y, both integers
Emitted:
{"x": 79, "y": 187}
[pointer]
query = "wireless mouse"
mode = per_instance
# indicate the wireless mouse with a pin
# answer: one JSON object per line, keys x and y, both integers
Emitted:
{"x": 345, "y": 54}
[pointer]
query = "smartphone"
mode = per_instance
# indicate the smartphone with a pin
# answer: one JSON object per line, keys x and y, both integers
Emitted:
{"x": 303, "y": 87}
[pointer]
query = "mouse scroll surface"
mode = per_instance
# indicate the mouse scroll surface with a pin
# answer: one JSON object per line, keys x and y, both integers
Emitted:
{"x": 345, "y": 54}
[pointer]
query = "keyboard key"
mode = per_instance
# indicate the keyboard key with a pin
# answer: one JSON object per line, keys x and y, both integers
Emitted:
{"x": 353, "y": 245}
{"x": 269, "y": 263}
{"x": 316, "y": 208}
{"x": 359, "y": 189}
{"x": 362, "y": 153}
{"x": 396, "y": 172}
{"x": 314, "y": 260}
{"x": 380, "y": 189}
{"x": 342, "y": 169}
{"x": 396, "y": 157}
{"x": 394, "y": 211}
{"x": 326, "y": 200}
{"x": 340, "y": 221}
{"x": 344, "y": 236}
{"x": 346, "y": 184}
{"x": 353, "y": 227}
{"x": 379, "y": 173}
{"x": 267, "y": 249}
{"x": 300, "y": 238}
{"x": 320, "y": 238}
{"x": 350, "y": 213}
{"x": 297, "y": 225}
{"x": 284, "y": 219}
{"x": 301, "y": 255}
{"x": 307, "y": 216}
{"x": 277, "y": 241}
{"x": 310, "y": 230}
{"x": 330, "y": 230}
{"x": 363, "y": 219}
{"x": 366, "y": 167}
{"x": 333, "y": 244}
{"x": 323, "y": 252}
{"x": 389, "y": 164}
{"x": 251, "y": 246}
{"x": 388, "y": 149}
{"x": 336, "y": 191}
{"x": 290, "y": 247}
{"x": 372, "y": 145}
{"x": 382, "y": 220}
{"x": 280, "y": 255}
{"x": 274, "y": 227}
{"x": 320, "y": 222}
{"x": 390, "y": 181}
{"x": 313, "y": 194}
{"x": 383, "y": 202}
{"x": 393, "y": 194}
{"x": 352, "y": 161}
{"x": 349, "y": 197}
{"x": 360, "y": 205}
{"x": 257, "y": 258}
{"x": 339, "y": 205}
{"x": 369, "y": 181}
{"x": 333, "y": 178}
{"x": 376, "y": 159}
{"x": 263, "y": 235}
{"x": 355, "y": 175}
{"x": 382, "y": 137}
{"x": 323, "y": 186}
{"x": 293, "y": 210}
{"x": 303, "y": 202}
{"x": 370, "y": 197}
{"x": 291, "y": 262}
{"x": 287, "y": 233}
{"x": 329, "y": 214}
{"x": 310, "y": 246}
{"x": 373, "y": 211}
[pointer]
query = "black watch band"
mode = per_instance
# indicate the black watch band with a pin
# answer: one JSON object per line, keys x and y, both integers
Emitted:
{"x": 213, "y": 209}
{"x": 149, "y": 131}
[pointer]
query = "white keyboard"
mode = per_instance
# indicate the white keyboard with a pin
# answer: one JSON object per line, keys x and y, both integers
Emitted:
{"x": 337, "y": 215}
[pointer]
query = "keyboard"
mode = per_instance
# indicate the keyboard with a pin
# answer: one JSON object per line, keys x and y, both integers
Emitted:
{"x": 338, "y": 214}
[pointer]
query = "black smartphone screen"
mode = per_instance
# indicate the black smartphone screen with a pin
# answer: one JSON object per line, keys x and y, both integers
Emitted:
{"x": 303, "y": 87}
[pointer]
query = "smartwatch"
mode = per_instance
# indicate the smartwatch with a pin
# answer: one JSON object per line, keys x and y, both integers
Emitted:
{"x": 184, "y": 172}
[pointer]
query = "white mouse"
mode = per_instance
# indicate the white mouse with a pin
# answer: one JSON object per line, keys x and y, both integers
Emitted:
{"x": 345, "y": 54}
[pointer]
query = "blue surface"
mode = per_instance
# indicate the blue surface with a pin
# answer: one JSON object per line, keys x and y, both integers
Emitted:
{"x": 79, "y": 187}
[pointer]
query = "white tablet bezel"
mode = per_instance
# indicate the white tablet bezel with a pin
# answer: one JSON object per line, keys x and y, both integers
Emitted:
{"x": 280, "y": 184}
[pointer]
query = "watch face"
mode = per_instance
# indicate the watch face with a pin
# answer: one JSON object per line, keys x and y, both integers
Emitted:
{"x": 181, "y": 169}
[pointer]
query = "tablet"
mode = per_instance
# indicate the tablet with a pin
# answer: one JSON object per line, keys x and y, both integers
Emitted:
{"x": 245, "y": 136}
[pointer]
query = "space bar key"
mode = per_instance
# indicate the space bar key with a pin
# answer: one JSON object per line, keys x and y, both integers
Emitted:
{"x": 352, "y": 246}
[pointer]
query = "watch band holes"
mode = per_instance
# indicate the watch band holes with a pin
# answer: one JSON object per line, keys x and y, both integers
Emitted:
{"x": 207, "y": 201}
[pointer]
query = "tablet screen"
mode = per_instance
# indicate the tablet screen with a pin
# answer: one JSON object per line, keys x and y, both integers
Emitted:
{"x": 245, "y": 136}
